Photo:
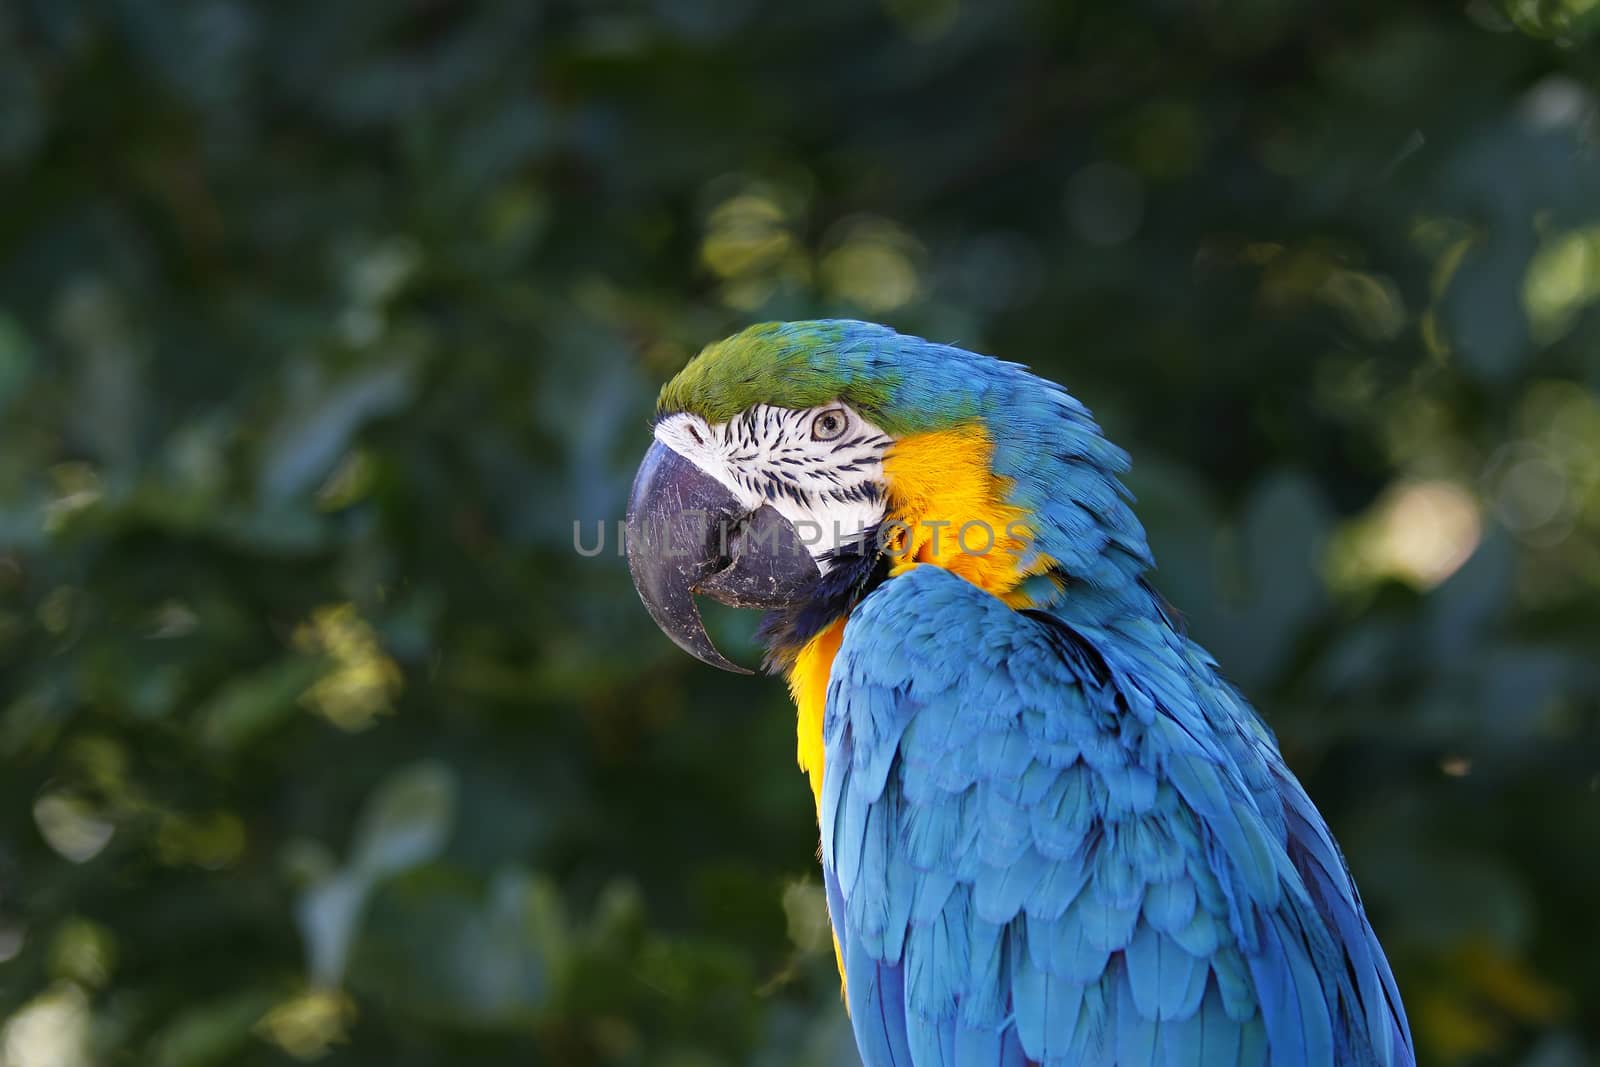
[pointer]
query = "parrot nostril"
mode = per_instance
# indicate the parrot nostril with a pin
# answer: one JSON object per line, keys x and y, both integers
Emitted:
{"x": 726, "y": 540}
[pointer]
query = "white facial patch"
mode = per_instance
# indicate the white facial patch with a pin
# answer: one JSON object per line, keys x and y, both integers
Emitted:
{"x": 821, "y": 468}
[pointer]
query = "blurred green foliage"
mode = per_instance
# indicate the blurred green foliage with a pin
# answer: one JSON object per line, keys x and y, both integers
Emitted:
{"x": 321, "y": 324}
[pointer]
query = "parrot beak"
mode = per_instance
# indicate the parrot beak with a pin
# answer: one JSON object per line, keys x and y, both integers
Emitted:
{"x": 687, "y": 534}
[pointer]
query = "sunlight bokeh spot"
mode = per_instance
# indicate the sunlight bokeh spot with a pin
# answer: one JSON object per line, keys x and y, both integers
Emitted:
{"x": 362, "y": 681}
{"x": 51, "y": 1030}
{"x": 1419, "y": 532}
{"x": 746, "y": 234}
{"x": 308, "y": 1026}
{"x": 1370, "y": 304}
{"x": 1557, "y": 100}
{"x": 71, "y": 825}
{"x": 212, "y": 841}
{"x": 1530, "y": 490}
{"x": 12, "y": 937}
{"x": 84, "y": 952}
{"x": 1563, "y": 418}
{"x": 1562, "y": 280}
{"x": 872, "y": 266}
{"x": 750, "y": 240}
{"x": 76, "y": 488}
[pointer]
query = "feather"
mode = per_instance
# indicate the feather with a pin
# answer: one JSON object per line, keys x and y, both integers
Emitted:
{"x": 935, "y": 827}
{"x": 932, "y": 1042}
{"x": 1004, "y": 755}
{"x": 1335, "y": 899}
{"x": 999, "y": 892}
{"x": 877, "y": 720}
{"x": 877, "y": 1011}
{"x": 849, "y": 836}
{"x": 999, "y": 1047}
{"x": 1106, "y": 922}
{"x": 1169, "y": 905}
{"x": 1007, "y": 833}
{"x": 938, "y": 959}
{"x": 1056, "y": 889}
{"x": 1290, "y": 990}
{"x": 985, "y": 995}
{"x": 1136, "y": 1033}
{"x": 930, "y": 893}
{"x": 1043, "y": 1002}
{"x": 1166, "y": 982}
{"x": 1205, "y": 1038}
{"x": 1060, "y": 821}
{"x": 1062, "y": 949}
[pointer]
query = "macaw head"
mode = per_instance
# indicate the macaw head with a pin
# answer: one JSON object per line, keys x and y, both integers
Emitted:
{"x": 795, "y": 465}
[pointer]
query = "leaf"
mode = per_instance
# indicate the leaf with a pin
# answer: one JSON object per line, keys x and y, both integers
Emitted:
{"x": 328, "y": 914}
{"x": 211, "y": 1033}
{"x": 450, "y": 951}
{"x": 406, "y": 821}
{"x": 1483, "y": 307}
{"x": 308, "y": 441}
{"x": 249, "y": 707}
{"x": 1461, "y": 608}
{"x": 1285, "y": 525}
{"x": 805, "y": 909}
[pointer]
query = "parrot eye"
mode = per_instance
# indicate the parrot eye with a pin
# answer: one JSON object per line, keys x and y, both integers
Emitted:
{"x": 828, "y": 425}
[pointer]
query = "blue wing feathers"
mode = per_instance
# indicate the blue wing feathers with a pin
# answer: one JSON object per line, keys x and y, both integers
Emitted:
{"x": 1007, "y": 834}
{"x": 1239, "y": 996}
{"x": 998, "y": 1047}
{"x": 877, "y": 1012}
{"x": 1061, "y": 819}
{"x": 1285, "y": 984}
{"x": 935, "y": 957}
{"x": 1047, "y": 843}
{"x": 1001, "y": 891}
{"x": 1169, "y": 905}
{"x": 1063, "y": 880}
{"x": 935, "y": 825}
{"x": 984, "y": 1005}
{"x": 849, "y": 836}
{"x": 1136, "y": 1032}
{"x": 1061, "y": 948}
{"x": 1203, "y": 936}
{"x": 1106, "y": 924}
{"x": 878, "y": 729}
{"x": 1335, "y": 898}
{"x": 1166, "y": 981}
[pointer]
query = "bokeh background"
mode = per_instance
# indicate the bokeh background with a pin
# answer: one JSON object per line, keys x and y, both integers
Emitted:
{"x": 321, "y": 323}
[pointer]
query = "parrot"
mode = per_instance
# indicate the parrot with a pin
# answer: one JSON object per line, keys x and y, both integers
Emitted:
{"x": 1051, "y": 832}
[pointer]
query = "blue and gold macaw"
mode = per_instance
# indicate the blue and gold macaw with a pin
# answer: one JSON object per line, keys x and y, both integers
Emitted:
{"x": 1051, "y": 832}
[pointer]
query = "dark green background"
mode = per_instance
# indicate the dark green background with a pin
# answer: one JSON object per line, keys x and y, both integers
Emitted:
{"x": 321, "y": 323}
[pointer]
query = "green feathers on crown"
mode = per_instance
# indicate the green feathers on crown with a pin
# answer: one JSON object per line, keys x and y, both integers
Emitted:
{"x": 787, "y": 364}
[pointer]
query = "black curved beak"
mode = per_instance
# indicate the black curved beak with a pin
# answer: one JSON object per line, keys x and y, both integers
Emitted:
{"x": 688, "y": 534}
